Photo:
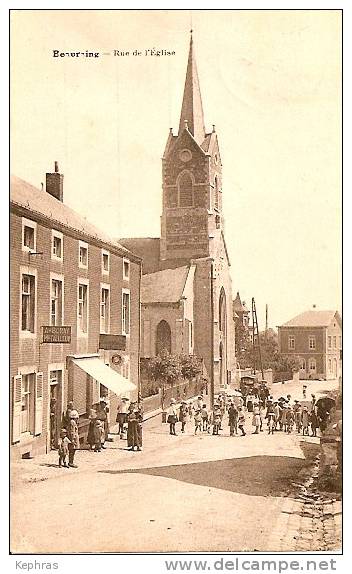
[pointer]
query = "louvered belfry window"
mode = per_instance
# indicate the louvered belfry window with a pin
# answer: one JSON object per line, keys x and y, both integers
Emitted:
{"x": 185, "y": 190}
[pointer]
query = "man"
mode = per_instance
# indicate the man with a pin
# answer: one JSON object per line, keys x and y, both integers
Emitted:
{"x": 73, "y": 436}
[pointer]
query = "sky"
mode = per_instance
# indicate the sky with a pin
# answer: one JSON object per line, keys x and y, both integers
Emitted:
{"x": 271, "y": 84}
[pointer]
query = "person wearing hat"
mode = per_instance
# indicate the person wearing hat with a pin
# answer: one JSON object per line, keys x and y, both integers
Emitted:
{"x": 314, "y": 421}
{"x": 72, "y": 433}
{"x": 270, "y": 416}
{"x": 197, "y": 421}
{"x": 134, "y": 428}
{"x": 102, "y": 415}
{"x": 63, "y": 448}
{"x": 233, "y": 418}
{"x": 172, "y": 417}
{"x": 304, "y": 391}
{"x": 205, "y": 416}
{"x": 289, "y": 419}
{"x": 183, "y": 414}
{"x": 241, "y": 421}
{"x": 66, "y": 416}
{"x": 121, "y": 416}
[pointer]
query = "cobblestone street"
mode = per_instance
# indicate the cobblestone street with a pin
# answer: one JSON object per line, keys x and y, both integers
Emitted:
{"x": 157, "y": 499}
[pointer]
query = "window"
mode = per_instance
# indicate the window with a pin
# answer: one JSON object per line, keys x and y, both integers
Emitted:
{"x": 83, "y": 254}
{"x": 216, "y": 193}
{"x": 329, "y": 342}
{"x": 28, "y": 303}
{"x": 126, "y": 269}
{"x": 105, "y": 262}
{"x": 28, "y": 234}
{"x": 57, "y": 245}
{"x": 56, "y": 309}
{"x": 27, "y": 406}
{"x": 334, "y": 341}
{"x": 312, "y": 365}
{"x": 82, "y": 308}
{"x": 312, "y": 342}
{"x": 291, "y": 343}
{"x": 104, "y": 310}
{"x": 330, "y": 365}
{"x": 126, "y": 312}
{"x": 302, "y": 364}
{"x": 185, "y": 190}
{"x": 340, "y": 342}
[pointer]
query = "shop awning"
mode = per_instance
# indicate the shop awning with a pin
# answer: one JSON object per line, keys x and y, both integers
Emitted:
{"x": 105, "y": 375}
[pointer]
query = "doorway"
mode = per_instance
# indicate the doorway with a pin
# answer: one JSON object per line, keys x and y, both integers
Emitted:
{"x": 55, "y": 407}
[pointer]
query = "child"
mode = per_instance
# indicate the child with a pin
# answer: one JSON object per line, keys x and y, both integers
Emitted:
{"x": 305, "y": 421}
{"x": 241, "y": 420}
{"x": 216, "y": 419}
{"x": 289, "y": 419}
{"x": 98, "y": 434}
{"x": 197, "y": 421}
{"x": 233, "y": 418}
{"x": 63, "y": 443}
{"x": 204, "y": 414}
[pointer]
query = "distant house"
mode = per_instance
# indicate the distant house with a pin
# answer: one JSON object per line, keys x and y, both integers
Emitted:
{"x": 315, "y": 337}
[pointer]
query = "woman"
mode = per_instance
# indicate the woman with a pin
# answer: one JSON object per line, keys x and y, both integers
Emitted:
{"x": 134, "y": 427}
{"x": 91, "y": 429}
{"x": 172, "y": 417}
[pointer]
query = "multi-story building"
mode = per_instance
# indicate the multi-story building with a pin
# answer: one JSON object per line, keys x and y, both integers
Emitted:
{"x": 186, "y": 283}
{"x": 315, "y": 338}
{"x": 75, "y": 315}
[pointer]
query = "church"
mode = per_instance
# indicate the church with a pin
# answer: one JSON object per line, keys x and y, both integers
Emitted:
{"x": 186, "y": 292}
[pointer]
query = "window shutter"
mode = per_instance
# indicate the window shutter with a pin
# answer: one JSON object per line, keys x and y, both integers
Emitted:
{"x": 17, "y": 407}
{"x": 38, "y": 420}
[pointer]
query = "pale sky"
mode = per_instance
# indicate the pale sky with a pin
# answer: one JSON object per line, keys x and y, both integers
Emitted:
{"x": 270, "y": 82}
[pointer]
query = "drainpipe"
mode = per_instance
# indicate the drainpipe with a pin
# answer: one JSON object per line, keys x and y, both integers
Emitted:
{"x": 212, "y": 334}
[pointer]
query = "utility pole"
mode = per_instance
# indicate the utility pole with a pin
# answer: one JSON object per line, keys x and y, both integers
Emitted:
{"x": 266, "y": 320}
{"x": 256, "y": 340}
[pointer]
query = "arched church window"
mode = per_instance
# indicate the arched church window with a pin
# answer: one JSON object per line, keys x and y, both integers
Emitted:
{"x": 185, "y": 190}
{"x": 216, "y": 193}
{"x": 163, "y": 338}
{"x": 222, "y": 311}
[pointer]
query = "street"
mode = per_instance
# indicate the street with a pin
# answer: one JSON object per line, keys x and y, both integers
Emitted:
{"x": 180, "y": 494}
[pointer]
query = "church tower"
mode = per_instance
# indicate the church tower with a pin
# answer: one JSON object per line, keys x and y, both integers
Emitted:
{"x": 191, "y": 179}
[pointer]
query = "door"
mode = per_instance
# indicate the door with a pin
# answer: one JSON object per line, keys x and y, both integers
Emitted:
{"x": 55, "y": 407}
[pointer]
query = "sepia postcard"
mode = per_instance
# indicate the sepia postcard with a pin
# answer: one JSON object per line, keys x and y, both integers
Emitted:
{"x": 176, "y": 284}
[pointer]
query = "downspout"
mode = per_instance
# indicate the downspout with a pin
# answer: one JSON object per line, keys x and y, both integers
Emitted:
{"x": 211, "y": 335}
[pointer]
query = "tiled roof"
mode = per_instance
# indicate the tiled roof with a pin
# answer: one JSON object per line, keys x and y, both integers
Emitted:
{"x": 313, "y": 319}
{"x": 42, "y": 203}
{"x": 164, "y": 286}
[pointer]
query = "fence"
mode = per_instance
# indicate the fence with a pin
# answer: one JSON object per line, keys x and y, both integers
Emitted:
{"x": 180, "y": 391}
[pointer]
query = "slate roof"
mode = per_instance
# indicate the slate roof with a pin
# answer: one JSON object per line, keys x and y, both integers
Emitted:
{"x": 164, "y": 286}
{"x": 148, "y": 248}
{"x": 237, "y": 304}
{"x": 25, "y": 195}
{"x": 313, "y": 319}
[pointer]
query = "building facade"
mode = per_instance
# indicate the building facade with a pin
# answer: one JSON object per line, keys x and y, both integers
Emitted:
{"x": 75, "y": 315}
{"x": 195, "y": 314}
{"x": 315, "y": 338}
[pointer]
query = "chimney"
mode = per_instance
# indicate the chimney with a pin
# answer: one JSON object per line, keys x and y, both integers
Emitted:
{"x": 55, "y": 183}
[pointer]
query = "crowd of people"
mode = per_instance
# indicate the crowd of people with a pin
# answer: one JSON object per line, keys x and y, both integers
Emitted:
{"x": 265, "y": 413}
{"x": 129, "y": 419}
{"x": 256, "y": 406}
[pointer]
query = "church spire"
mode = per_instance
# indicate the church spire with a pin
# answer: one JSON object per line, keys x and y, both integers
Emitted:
{"x": 192, "y": 109}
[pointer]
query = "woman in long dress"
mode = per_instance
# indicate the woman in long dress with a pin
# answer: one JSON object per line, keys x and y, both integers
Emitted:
{"x": 134, "y": 428}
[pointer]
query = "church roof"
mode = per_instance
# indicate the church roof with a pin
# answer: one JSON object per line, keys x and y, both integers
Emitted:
{"x": 148, "y": 248}
{"x": 25, "y": 195}
{"x": 313, "y": 318}
{"x": 164, "y": 286}
{"x": 192, "y": 107}
{"x": 237, "y": 304}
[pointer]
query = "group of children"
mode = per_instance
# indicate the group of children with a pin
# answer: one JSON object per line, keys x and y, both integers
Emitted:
{"x": 280, "y": 415}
